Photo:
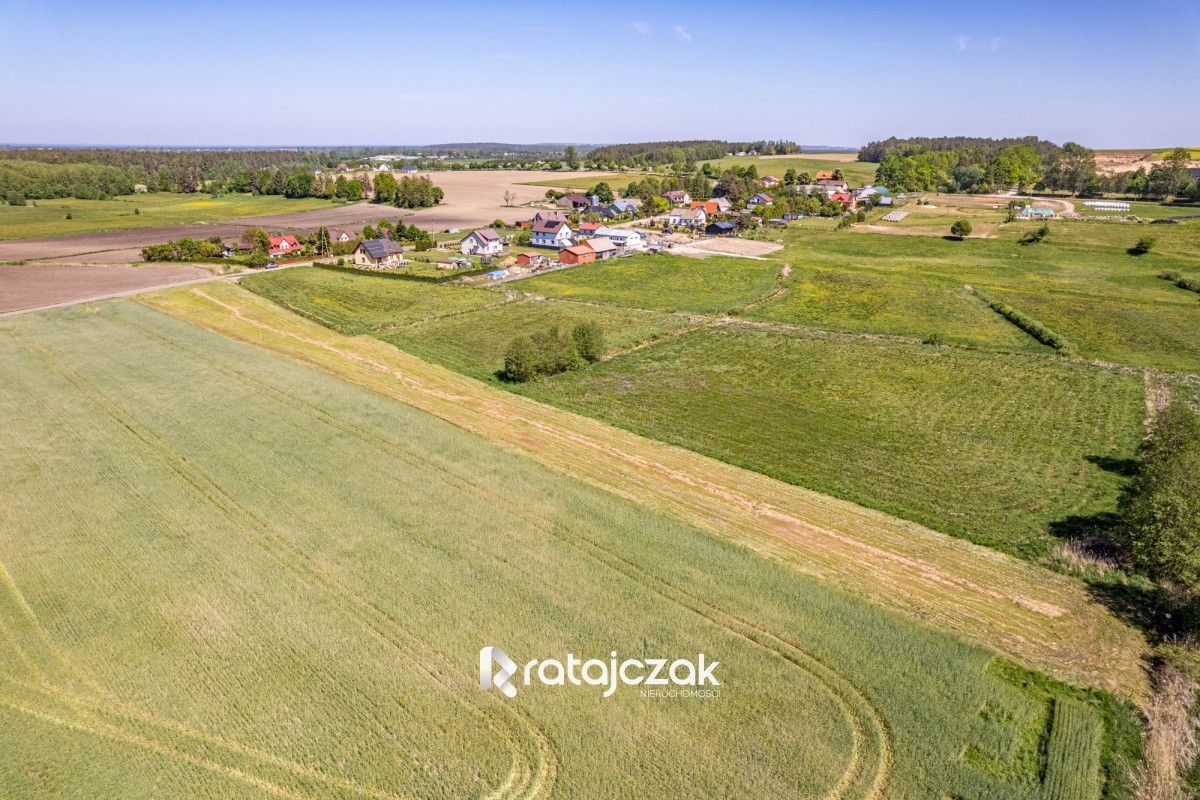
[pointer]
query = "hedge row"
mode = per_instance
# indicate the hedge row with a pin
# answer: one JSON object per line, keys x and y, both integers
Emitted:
{"x": 1028, "y": 324}
{"x": 1178, "y": 278}
{"x": 380, "y": 273}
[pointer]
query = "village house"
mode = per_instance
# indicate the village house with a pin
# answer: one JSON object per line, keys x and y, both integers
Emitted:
{"x": 710, "y": 207}
{"x": 626, "y": 238}
{"x": 483, "y": 242}
{"x": 283, "y": 245}
{"x": 760, "y": 200}
{"x": 408, "y": 169}
{"x": 626, "y": 205}
{"x": 589, "y": 228}
{"x": 579, "y": 254}
{"x": 547, "y": 216}
{"x": 833, "y": 185}
{"x": 844, "y": 199}
{"x": 603, "y": 248}
{"x": 551, "y": 233}
{"x": 770, "y": 180}
{"x": 337, "y": 235}
{"x": 723, "y": 205}
{"x": 575, "y": 201}
{"x": 687, "y": 218}
{"x": 378, "y": 254}
{"x": 867, "y": 192}
{"x": 678, "y": 197}
{"x": 533, "y": 260}
{"x": 824, "y": 175}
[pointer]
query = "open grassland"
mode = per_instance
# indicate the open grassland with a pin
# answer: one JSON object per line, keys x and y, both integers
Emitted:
{"x": 715, "y": 284}
{"x": 905, "y": 285}
{"x": 353, "y": 303}
{"x": 1044, "y": 620}
{"x": 49, "y": 217}
{"x": 890, "y": 426}
{"x": 474, "y": 343}
{"x": 289, "y": 599}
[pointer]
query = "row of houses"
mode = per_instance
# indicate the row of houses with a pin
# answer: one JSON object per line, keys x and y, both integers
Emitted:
{"x": 590, "y": 204}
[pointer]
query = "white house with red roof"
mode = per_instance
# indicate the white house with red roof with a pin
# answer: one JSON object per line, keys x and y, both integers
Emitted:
{"x": 283, "y": 245}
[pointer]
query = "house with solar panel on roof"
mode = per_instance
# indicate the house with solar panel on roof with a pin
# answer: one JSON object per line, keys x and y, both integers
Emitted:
{"x": 379, "y": 254}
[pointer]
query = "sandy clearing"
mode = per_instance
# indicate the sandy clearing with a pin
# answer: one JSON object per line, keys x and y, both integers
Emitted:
{"x": 737, "y": 247}
{"x": 24, "y": 287}
{"x": 474, "y": 199}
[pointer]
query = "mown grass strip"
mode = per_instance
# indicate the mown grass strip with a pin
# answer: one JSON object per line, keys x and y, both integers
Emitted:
{"x": 1027, "y": 323}
{"x": 1073, "y": 753}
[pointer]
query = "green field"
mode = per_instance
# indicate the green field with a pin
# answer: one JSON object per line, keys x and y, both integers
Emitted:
{"x": 49, "y": 217}
{"x": 857, "y": 173}
{"x": 354, "y": 303}
{"x": 888, "y": 426}
{"x": 664, "y": 282}
{"x": 474, "y": 343}
{"x": 301, "y": 614}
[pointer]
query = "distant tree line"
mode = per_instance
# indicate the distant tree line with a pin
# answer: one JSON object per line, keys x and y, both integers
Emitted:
{"x": 30, "y": 180}
{"x": 408, "y": 192}
{"x": 876, "y": 151}
{"x": 683, "y": 155}
{"x": 996, "y": 165}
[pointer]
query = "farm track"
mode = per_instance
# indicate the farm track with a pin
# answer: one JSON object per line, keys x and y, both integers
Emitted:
{"x": 1039, "y": 618}
{"x": 534, "y": 762}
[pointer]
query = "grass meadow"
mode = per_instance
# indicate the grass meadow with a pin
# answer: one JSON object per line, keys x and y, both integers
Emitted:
{"x": 49, "y": 217}
{"x": 301, "y": 614}
{"x": 884, "y": 425}
{"x": 474, "y": 343}
{"x": 717, "y": 284}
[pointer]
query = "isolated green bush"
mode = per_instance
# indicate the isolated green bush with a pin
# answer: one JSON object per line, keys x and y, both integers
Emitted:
{"x": 1033, "y": 237}
{"x": 550, "y": 352}
{"x": 961, "y": 229}
{"x": 1144, "y": 245}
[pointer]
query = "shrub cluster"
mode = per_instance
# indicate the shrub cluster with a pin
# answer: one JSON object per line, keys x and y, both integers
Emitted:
{"x": 1033, "y": 237}
{"x": 1143, "y": 246}
{"x": 1176, "y": 277}
{"x": 184, "y": 250}
{"x": 1028, "y": 324}
{"x": 549, "y": 352}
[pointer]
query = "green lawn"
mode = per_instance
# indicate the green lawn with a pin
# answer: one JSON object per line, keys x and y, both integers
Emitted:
{"x": 354, "y": 303}
{"x": 474, "y": 343}
{"x": 857, "y": 173}
{"x": 994, "y": 448}
{"x": 663, "y": 282}
{"x": 49, "y": 217}
{"x": 290, "y": 597}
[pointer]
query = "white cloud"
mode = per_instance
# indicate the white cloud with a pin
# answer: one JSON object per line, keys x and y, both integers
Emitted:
{"x": 687, "y": 37}
{"x": 961, "y": 43}
{"x": 641, "y": 26}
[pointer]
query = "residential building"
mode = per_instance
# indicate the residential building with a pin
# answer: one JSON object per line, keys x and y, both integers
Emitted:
{"x": 761, "y": 200}
{"x": 579, "y": 254}
{"x": 575, "y": 201}
{"x": 587, "y": 229}
{"x": 824, "y": 175}
{"x": 834, "y": 185}
{"x": 723, "y": 205}
{"x": 721, "y": 229}
{"x": 687, "y": 218}
{"x": 845, "y": 199}
{"x": 378, "y": 254}
{"x": 603, "y": 248}
{"x": 483, "y": 242}
{"x": 626, "y": 205}
{"x": 533, "y": 260}
{"x": 551, "y": 233}
{"x": 678, "y": 197}
{"x": 623, "y": 237}
{"x": 547, "y": 216}
{"x": 283, "y": 245}
{"x": 710, "y": 206}
{"x": 867, "y": 192}
{"x": 337, "y": 235}
{"x": 408, "y": 169}
{"x": 770, "y": 180}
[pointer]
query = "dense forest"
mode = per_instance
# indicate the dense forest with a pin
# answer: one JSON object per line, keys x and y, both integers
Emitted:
{"x": 682, "y": 154}
{"x": 997, "y": 165}
{"x": 877, "y": 151}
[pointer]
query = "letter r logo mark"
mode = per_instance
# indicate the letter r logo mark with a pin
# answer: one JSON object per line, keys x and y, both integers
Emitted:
{"x": 505, "y": 669}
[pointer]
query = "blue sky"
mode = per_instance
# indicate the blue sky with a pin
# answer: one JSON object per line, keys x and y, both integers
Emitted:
{"x": 254, "y": 73}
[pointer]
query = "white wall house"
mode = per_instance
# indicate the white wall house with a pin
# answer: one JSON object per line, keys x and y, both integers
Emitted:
{"x": 687, "y": 217}
{"x": 551, "y": 233}
{"x": 623, "y": 237}
{"x": 483, "y": 242}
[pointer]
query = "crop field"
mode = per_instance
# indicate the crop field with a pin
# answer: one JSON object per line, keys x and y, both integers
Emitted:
{"x": 1042, "y": 619}
{"x": 49, "y": 217}
{"x": 664, "y": 282}
{"x": 344, "y": 565}
{"x": 353, "y": 303}
{"x": 474, "y": 343}
{"x": 617, "y": 181}
{"x": 885, "y": 425}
